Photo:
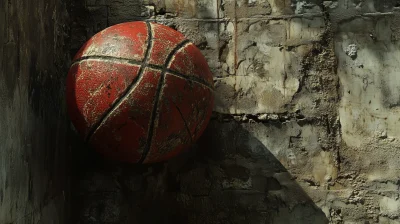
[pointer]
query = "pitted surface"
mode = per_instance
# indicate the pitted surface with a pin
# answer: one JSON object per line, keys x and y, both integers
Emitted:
{"x": 119, "y": 112}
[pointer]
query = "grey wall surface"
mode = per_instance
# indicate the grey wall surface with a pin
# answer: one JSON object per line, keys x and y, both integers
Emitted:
{"x": 306, "y": 119}
{"x": 34, "y": 187}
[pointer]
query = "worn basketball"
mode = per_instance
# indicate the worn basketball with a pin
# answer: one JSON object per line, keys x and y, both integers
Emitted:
{"x": 139, "y": 92}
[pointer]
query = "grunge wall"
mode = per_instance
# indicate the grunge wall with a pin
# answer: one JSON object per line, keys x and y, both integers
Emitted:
{"x": 34, "y": 151}
{"x": 305, "y": 128}
{"x": 305, "y": 123}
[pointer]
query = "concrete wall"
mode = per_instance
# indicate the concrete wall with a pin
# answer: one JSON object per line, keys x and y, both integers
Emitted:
{"x": 34, "y": 187}
{"x": 305, "y": 123}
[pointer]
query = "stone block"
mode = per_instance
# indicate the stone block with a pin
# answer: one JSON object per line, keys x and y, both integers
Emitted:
{"x": 281, "y": 7}
{"x": 349, "y": 7}
{"x": 127, "y": 13}
{"x": 187, "y": 9}
{"x": 305, "y": 30}
{"x": 261, "y": 33}
{"x": 254, "y": 95}
{"x": 290, "y": 7}
{"x": 239, "y": 9}
{"x": 269, "y": 61}
{"x": 306, "y": 7}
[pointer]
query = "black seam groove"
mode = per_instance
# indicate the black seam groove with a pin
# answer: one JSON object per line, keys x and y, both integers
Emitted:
{"x": 190, "y": 78}
{"x": 129, "y": 89}
{"x": 155, "y": 112}
{"x": 184, "y": 121}
{"x": 156, "y": 67}
{"x": 152, "y": 66}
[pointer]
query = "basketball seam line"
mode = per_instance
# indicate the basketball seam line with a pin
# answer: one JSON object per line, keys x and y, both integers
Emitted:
{"x": 155, "y": 113}
{"x": 184, "y": 121}
{"x": 152, "y": 66}
{"x": 190, "y": 78}
{"x": 128, "y": 90}
{"x": 117, "y": 59}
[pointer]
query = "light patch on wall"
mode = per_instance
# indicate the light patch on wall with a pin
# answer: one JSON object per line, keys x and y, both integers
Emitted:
{"x": 324, "y": 169}
{"x": 370, "y": 82}
{"x": 389, "y": 206}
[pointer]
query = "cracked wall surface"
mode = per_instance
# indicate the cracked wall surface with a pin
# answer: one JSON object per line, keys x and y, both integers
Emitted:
{"x": 305, "y": 121}
{"x": 34, "y": 185}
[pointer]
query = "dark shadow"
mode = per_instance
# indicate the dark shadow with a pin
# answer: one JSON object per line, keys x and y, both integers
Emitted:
{"x": 222, "y": 179}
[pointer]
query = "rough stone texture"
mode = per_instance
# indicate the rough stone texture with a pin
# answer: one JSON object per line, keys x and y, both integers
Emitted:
{"x": 305, "y": 122}
{"x": 34, "y": 187}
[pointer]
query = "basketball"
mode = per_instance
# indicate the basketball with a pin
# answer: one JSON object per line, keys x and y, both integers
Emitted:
{"x": 139, "y": 92}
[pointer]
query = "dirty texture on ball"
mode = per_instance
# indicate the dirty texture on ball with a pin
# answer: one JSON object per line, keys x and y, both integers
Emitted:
{"x": 139, "y": 92}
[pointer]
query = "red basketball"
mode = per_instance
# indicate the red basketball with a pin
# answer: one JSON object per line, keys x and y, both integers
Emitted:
{"x": 139, "y": 92}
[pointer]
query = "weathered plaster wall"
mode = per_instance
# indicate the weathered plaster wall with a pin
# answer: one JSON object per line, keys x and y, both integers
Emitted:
{"x": 34, "y": 187}
{"x": 305, "y": 122}
{"x": 368, "y": 111}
